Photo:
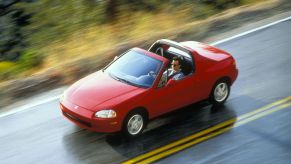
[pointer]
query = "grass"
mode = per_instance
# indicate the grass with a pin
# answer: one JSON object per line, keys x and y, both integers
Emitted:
{"x": 98, "y": 40}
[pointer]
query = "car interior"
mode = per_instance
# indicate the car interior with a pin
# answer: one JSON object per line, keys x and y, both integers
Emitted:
{"x": 169, "y": 52}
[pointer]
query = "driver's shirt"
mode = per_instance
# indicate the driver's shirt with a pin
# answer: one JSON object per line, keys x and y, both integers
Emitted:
{"x": 176, "y": 75}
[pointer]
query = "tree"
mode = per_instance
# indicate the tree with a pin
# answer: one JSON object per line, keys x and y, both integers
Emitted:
{"x": 12, "y": 20}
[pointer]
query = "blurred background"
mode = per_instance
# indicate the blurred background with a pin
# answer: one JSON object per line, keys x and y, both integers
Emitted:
{"x": 46, "y": 44}
{"x": 39, "y": 34}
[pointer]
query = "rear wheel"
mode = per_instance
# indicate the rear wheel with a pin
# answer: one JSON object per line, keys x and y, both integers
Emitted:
{"x": 134, "y": 123}
{"x": 220, "y": 92}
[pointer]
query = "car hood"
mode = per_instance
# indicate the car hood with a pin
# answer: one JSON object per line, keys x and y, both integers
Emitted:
{"x": 96, "y": 89}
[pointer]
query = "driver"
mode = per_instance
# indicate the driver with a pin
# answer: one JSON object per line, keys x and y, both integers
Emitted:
{"x": 175, "y": 71}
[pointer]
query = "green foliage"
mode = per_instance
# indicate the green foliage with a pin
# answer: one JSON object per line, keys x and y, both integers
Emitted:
{"x": 53, "y": 20}
{"x": 12, "y": 22}
{"x": 30, "y": 59}
{"x": 6, "y": 69}
{"x": 30, "y": 26}
{"x": 222, "y": 4}
{"x": 6, "y": 65}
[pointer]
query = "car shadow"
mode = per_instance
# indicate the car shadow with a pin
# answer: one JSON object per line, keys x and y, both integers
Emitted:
{"x": 170, "y": 128}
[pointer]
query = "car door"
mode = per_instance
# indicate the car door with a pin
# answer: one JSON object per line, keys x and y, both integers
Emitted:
{"x": 173, "y": 95}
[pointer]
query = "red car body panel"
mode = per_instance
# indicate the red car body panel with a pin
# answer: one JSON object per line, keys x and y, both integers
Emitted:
{"x": 211, "y": 64}
{"x": 85, "y": 119}
{"x": 162, "y": 100}
{"x": 206, "y": 51}
{"x": 99, "y": 91}
{"x": 96, "y": 90}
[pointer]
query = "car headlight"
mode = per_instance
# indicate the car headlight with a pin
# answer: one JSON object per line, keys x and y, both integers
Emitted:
{"x": 106, "y": 114}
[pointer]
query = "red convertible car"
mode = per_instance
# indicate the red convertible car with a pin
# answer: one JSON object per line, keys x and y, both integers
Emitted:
{"x": 137, "y": 86}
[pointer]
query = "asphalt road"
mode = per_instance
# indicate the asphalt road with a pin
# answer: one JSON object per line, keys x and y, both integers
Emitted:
{"x": 42, "y": 135}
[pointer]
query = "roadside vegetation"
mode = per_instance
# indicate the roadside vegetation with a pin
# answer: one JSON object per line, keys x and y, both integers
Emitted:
{"x": 38, "y": 34}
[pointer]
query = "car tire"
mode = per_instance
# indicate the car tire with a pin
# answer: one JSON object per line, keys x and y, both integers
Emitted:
{"x": 219, "y": 92}
{"x": 134, "y": 123}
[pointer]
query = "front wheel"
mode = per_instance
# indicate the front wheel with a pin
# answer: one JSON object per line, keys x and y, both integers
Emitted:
{"x": 220, "y": 92}
{"x": 134, "y": 124}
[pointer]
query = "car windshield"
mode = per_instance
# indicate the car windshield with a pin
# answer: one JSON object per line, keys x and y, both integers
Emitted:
{"x": 135, "y": 68}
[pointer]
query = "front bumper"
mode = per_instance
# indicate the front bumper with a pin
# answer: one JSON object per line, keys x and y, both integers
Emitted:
{"x": 85, "y": 118}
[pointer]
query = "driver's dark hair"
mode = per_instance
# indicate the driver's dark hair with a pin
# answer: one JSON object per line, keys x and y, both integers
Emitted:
{"x": 176, "y": 58}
